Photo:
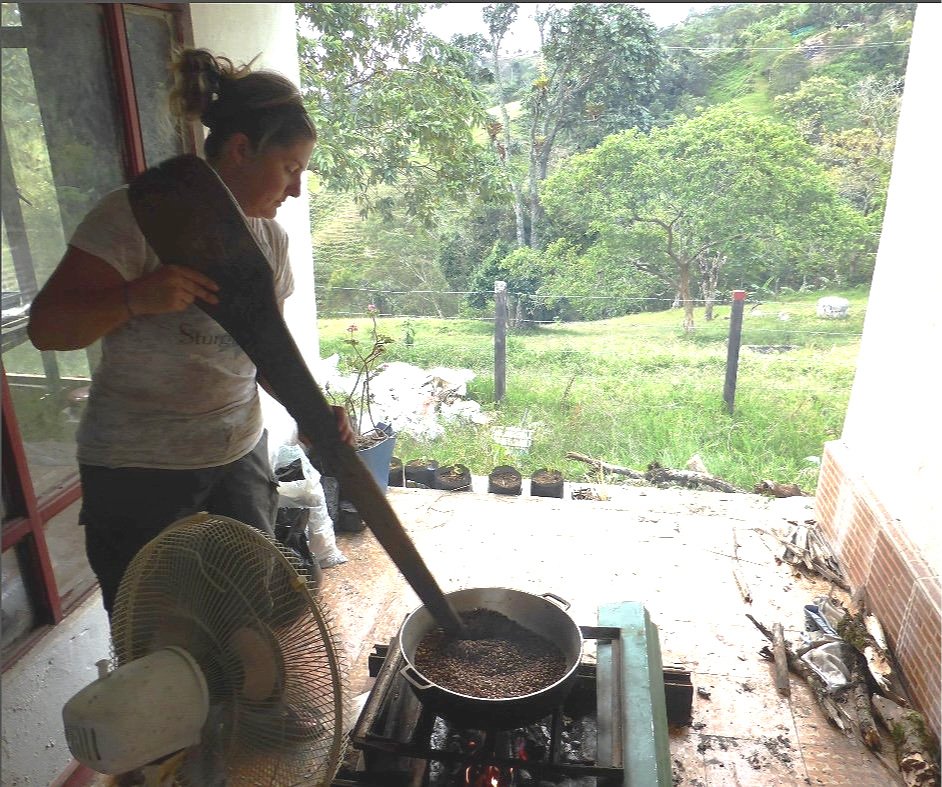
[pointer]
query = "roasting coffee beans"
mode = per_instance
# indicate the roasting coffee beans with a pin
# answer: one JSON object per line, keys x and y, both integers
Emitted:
{"x": 500, "y": 658}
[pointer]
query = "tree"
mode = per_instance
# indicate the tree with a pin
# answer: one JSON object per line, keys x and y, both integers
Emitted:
{"x": 820, "y": 105}
{"x": 393, "y": 107}
{"x": 787, "y": 72}
{"x": 601, "y": 65}
{"x": 723, "y": 184}
{"x": 499, "y": 17}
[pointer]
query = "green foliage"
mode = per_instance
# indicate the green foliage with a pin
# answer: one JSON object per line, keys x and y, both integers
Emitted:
{"x": 390, "y": 262}
{"x": 490, "y": 270}
{"x": 771, "y": 211}
{"x": 787, "y": 72}
{"x": 637, "y": 389}
{"x": 743, "y": 45}
{"x": 820, "y": 105}
{"x": 393, "y": 107}
{"x": 602, "y": 63}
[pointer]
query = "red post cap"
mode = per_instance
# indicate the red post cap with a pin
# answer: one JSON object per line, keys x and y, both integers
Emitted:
{"x": 739, "y": 295}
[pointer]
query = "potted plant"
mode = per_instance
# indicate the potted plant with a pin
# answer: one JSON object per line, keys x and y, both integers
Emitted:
{"x": 375, "y": 440}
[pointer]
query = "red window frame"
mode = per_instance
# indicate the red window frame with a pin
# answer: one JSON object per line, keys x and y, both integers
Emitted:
{"x": 27, "y": 530}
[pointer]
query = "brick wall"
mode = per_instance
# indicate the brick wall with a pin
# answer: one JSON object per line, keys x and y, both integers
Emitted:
{"x": 902, "y": 589}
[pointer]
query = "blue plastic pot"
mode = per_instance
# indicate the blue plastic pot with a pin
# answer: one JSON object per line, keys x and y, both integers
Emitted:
{"x": 377, "y": 457}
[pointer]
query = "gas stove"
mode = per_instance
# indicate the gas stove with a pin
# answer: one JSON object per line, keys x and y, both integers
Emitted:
{"x": 399, "y": 742}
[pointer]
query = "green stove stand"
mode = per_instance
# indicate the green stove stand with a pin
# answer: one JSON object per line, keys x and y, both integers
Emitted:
{"x": 638, "y": 675}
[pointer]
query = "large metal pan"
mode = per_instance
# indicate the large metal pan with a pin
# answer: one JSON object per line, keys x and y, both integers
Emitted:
{"x": 544, "y": 615}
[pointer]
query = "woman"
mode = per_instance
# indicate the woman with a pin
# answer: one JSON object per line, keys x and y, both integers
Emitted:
{"x": 173, "y": 423}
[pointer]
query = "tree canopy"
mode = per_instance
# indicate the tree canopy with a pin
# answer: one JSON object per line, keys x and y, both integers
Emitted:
{"x": 752, "y": 142}
{"x": 393, "y": 106}
{"x": 722, "y": 186}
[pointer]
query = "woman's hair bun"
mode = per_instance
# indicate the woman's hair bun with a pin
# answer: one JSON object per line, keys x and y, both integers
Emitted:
{"x": 199, "y": 79}
{"x": 264, "y": 105}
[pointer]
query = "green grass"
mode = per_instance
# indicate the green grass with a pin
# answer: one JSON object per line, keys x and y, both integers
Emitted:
{"x": 635, "y": 390}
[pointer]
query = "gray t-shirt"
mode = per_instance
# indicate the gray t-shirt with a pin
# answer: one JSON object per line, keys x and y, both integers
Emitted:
{"x": 172, "y": 391}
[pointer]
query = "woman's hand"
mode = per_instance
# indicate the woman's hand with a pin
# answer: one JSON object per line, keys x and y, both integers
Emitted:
{"x": 85, "y": 298}
{"x": 343, "y": 425}
{"x": 170, "y": 288}
{"x": 344, "y": 429}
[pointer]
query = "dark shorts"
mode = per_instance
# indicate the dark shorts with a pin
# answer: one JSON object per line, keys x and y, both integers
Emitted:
{"x": 124, "y": 508}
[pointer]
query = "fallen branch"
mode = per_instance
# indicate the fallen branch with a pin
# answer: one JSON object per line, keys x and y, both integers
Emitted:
{"x": 836, "y": 715}
{"x": 781, "y": 660}
{"x": 598, "y": 464}
{"x": 737, "y": 574}
{"x": 661, "y": 475}
{"x": 861, "y": 695}
{"x": 743, "y": 587}
{"x": 916, "y": 752}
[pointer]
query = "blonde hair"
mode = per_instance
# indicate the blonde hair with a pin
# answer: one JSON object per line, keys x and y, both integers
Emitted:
{"x": 229, "y": 99}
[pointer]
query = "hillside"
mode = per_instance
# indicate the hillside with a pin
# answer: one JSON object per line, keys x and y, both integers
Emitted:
{"x": 750, "y": 53}
{"x": 823, "y": 79}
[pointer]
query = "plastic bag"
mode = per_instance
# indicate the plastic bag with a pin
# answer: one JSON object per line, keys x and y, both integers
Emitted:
{"x": 299, "y": 486}
{"x": 828, "y": 661}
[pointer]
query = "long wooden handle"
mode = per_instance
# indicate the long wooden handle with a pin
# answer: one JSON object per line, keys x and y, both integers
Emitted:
{"x": 303, "y": 399}
{"x": 189, "y": 219}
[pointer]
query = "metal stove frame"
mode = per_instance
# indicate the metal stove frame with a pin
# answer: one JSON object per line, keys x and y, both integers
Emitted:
{"x": 627, "y": 687}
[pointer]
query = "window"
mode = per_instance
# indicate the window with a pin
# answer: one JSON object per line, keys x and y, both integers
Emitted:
{"x": 83, "y": 111}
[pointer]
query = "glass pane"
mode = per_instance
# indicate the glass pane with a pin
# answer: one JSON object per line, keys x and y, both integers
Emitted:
{"x": 72, "y": 71}
{"x": 62, "y": 151}
{"x": 10, "y": 14}
{"x": 47, "y": 410}
{"x": 150, "y": 38}
{"x": 66, "y": 543}
{"x": 17, "y": 614}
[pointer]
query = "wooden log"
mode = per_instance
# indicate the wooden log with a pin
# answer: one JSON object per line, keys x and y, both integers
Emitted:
{"x": 915, "y": 748}
{"x": 861, "y": 695}
{"x": 775, "y": 489}
{"x": 854, "y": 632}
{"x": 835, "y": 714}
{"x": 598, "y": 464}
{"x": 661, "y": 475}
{"x": 781, "y": 660}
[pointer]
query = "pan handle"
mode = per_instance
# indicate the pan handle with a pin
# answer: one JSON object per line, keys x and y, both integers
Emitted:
{"x": 561, "y": 601}
{"x": 415, "y": 678}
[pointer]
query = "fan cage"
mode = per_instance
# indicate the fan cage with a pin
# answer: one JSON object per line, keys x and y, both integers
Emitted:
{"x": 245, "y": 608}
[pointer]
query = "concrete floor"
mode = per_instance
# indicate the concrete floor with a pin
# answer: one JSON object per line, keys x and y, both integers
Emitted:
{"x": 671, "y": 550}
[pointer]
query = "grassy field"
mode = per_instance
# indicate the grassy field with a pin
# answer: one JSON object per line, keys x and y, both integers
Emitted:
{"x": 636, "y": 390}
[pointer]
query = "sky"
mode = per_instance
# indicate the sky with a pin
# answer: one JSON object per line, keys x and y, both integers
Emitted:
{"x": 523, "y": 36}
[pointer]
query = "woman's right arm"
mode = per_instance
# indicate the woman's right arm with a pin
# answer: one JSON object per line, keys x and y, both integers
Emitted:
{"x": 85, "y": 298}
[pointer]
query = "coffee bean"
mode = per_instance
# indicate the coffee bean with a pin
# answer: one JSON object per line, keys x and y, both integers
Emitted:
{"x": 498, "y": 659}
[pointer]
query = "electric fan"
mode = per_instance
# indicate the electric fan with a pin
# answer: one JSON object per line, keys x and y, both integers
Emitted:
{"x": 227, "y": 670}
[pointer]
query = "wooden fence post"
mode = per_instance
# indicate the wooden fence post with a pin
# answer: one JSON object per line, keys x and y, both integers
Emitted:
{"x": 732, "y": 348}
{"x": 500, "y": 340}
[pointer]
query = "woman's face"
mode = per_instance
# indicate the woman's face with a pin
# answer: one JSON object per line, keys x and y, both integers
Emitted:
{"x": 262, "y": 181}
